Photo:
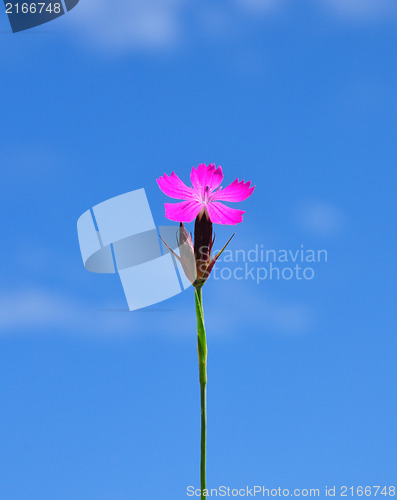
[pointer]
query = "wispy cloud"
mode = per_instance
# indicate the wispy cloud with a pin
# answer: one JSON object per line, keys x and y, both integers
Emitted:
{"x": 364, "y": 10}
{"x": 264, "y": 6}
{"x": 290, "y": 317}
{"x": 237, "y": 306}
{"x": 139, "y": 24}
{"x": 320, "y": 218}
{"x": 346, "y": 9}
{"x": 28, "y": 310}
{"x": 161, "y": 25}
{"x": 232, "y": 309}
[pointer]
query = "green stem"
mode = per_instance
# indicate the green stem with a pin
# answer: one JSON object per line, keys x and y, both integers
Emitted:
{"x": 202, "y": 356}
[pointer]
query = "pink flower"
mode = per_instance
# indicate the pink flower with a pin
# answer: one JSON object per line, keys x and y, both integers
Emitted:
{"x": 205, "y": 196}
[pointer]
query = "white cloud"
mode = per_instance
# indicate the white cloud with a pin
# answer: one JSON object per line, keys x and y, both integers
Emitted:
{"x": 236, "y": 307}
{"x": 159, "y": 24}
{"x": 230, "y": 308}
{"x": 365, "y": 10}
{"x": 347, "y": 9}
{"x": 30, "y": 310}
{"x": 320, "y": 218}
{"x": 261, "y": 5}
{"x": 139, "y": 24}
{"x": 164, "y": 24}
{"x": 288, "y": 317}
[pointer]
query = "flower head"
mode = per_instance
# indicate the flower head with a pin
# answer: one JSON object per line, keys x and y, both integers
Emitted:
{"x": 204, "y": 196}
{"x": 201, "y": 202}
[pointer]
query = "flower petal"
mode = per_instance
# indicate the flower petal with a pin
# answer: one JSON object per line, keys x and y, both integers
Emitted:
{"x": 221, "y": 214}
{"x": 186, "y": 211}
{"x": 205, "y": 176}
{"x": 173, "y": 187}
{"x": 236, "y": 191}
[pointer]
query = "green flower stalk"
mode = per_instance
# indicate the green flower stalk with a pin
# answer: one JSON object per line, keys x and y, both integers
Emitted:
{"x": 202, "y": 356}
{"x": 197, "y": 263}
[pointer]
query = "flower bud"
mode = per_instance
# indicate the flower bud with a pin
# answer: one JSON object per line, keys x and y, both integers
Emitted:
{"x": 186, "y": 252}
{"x": 196, "y": 260}
{"x": 203, "y": 241}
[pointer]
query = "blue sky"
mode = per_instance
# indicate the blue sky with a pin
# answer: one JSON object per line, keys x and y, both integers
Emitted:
{"x": 99, "y": 403}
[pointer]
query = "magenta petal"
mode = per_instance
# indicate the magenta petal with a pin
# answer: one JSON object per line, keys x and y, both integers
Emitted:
{"x": 173, "y": 187}
{"x": 205, "y": 176}
{"x": 221, "y": 214}
{"x": 186, "y": 211}
{"x": 236, "y": 191}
